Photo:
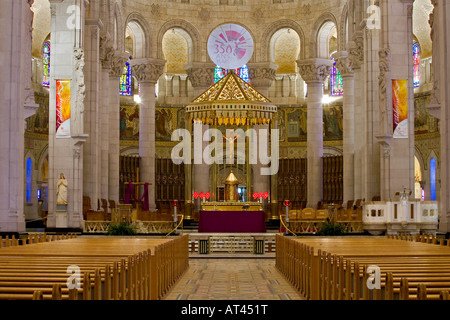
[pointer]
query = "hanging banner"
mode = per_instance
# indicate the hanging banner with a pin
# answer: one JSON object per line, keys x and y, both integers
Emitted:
{"x": 400, "y": 108}
{"x": 63, "y": 105}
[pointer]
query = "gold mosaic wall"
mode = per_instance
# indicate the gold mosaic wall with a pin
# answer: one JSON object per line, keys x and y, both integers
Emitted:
{"x": 175, "y": 49}
{"x": 287, "y": 49}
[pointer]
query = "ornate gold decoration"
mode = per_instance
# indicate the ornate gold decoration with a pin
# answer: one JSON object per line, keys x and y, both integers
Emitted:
{"x": 231, "y": 101}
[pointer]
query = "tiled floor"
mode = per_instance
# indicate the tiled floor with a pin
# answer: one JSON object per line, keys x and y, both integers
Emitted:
{"x": 233, "y": 279}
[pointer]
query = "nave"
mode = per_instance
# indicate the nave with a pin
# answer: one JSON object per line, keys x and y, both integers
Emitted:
{"x": 72, "y": 267}
{"x": 233, "y": 279}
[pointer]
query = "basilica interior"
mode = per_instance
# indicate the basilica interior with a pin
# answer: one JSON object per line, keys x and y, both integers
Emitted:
{"x": 154, "y": 57}
{"x": 315, "y": 119}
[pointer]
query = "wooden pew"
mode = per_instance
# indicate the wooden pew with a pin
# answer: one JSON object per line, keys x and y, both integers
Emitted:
{"x": 142, "y": 268}
{"x": 325, "y": 268}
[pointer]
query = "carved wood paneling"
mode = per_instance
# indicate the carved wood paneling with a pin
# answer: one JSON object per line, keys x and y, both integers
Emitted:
{"x": 292, "y": 182}
{"x": 333, "y": 185}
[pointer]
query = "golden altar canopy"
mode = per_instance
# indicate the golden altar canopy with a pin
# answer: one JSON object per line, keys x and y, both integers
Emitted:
{"x": 232, "y": 101}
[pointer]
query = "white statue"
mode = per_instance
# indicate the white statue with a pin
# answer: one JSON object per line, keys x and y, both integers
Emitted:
{"x": 61, "y": 192}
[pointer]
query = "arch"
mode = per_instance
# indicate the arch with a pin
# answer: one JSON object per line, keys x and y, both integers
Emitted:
{"x": 433, "y": 175}
{"x": 416, "y": 62}
{"x": 418, "y": 176}
{"x": 46, "y": 67}
{"x": 332, "y": 151}
{"x": 42, "y": 157}
{"x": 189, "y": 32}
{"x": 176, "y": 51}
{"x": 321, "y": 28}
{"x": 344, "y": 31}
{"x": 119, "y": 30}
{"x": 142, "y": 35}
{"x": 283, "y": 47}
{"x": 266, "y": 40}
{"x": 29, "y": 166}
{"x": 130, "y": 151}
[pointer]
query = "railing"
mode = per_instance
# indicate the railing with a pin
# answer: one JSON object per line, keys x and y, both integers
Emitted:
{"x": 176, "y": 228}
{"x": 395, "y": 216}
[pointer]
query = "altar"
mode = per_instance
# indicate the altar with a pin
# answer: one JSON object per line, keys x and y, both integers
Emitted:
{"x": 232, "y": 206}
{"x": 232, "y": 222}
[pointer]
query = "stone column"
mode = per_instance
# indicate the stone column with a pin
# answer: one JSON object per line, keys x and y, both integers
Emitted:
{"x": 345, "y": 66}
{"x": 356, "y": 54}
{"x": 395, "y": 62}
{"x": 370, "y": 115}
{"x": 106, "y": 57}
{"x": 15, "y": 21}
{"x": 260, "y": 182}
{"x": 440, "y": 100}
{"x": 201, "y": 76}
{"x": 262, "y": 75}
{"x": 200, "y": 171}
{"x": 147, "y": 73}
{"x": 65, "y": 152}
{"x": 117, "y": 66}
{"x": 92, "y": 125}
{"x": 314, "y": 72}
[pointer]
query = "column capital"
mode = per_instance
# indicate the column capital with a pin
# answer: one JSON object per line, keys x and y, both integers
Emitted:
{"x": 148, "y": 70}
{"x": 314, "y": 70}
{"x": 201, "y": 74}
{"x": 106, "y": 50}
{"x": 262, "y": 74}
{"x": 355, "y": 49}
{"x": 344, "y": 63}
{"x": 117, "y": 63}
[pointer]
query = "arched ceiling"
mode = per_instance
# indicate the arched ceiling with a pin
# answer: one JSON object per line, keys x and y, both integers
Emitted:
{"x": 421, "y": 28}
{"x": 41, "y": 26}
{"x": 286, "y": 51}
{"x": 175, "y": 50}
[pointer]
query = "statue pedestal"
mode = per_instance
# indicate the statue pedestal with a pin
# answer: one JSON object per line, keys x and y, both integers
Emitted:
{"x": 62, "y": 219}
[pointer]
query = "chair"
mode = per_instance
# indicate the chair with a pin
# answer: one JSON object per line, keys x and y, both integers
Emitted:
{"x": 322, "y": 215}
{"x": 308, "y": 214}
{"x": 88, "y": 213}
{"x": 106, "y": 214}
{"x": 293, "y": 215}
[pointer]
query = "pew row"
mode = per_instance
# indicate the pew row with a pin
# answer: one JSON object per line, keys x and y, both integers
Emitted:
{"x": 336, "y": 268}
{"x": 89, "y": 268}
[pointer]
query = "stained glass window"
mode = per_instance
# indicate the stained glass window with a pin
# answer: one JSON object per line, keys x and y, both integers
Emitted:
{"x": 126, "y": 81}
{"x": 433, "y": 179}
{"x": 242, "y": 73}
{"x": 29, "y": 168}
{"x": 416, "y": 57}
{"x": 46, "y": 65}
{"x": 336, "y": 81}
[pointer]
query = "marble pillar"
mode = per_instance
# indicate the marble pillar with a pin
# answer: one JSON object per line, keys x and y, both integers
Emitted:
{"x": 356, "y": 54}
{"x": 92, "y": 125}
{"x": 440, "y": 100}
{"x": 201, "y": 180}
{"x": 395, "y": 63}
{"x": 15, "y": 21}
{"x": 345, "y": 66}
{"x": 117, "y": 66}
{"x": 314, "y": 72}
{"x": 106, "y": 56}
{"x": 147, "y": 73}
{"x": 65, "y": 148}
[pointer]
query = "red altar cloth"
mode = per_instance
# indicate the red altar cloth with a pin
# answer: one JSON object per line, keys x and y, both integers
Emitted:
{"x": 232, "y": 222}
